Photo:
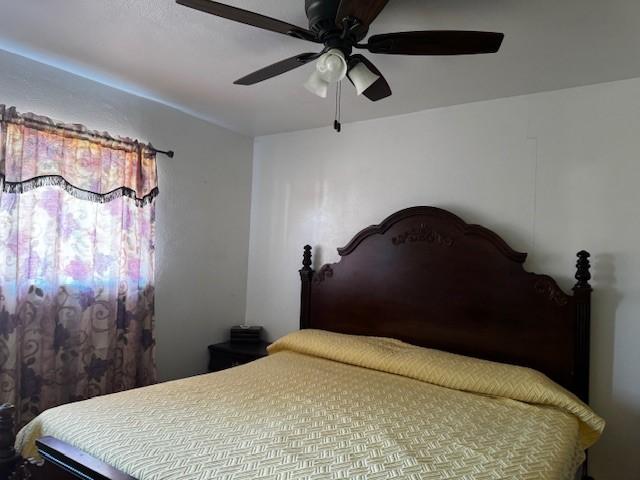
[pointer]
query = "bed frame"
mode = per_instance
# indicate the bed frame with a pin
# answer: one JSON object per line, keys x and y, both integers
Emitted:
{"x": 426, "y": 277}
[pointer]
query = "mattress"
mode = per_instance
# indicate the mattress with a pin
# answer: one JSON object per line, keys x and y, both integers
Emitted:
{"x": 330, "y": 406}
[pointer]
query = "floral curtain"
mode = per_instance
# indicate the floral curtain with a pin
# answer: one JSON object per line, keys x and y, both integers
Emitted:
{"x": 77, "y": 218}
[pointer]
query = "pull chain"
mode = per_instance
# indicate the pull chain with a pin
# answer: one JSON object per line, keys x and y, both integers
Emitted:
{"x": 336, "y": 123}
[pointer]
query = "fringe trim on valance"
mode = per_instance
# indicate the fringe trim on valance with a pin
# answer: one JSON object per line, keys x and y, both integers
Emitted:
{"x": 58, "y": 181}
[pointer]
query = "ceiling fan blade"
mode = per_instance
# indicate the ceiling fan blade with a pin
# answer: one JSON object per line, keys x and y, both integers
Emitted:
{"x": 364, "y": 10}
{"x": 249, "y": 18}
{"x": 277, "y": 69}
{"x": 380, "y": 89}
{"x": 438, "y": 42}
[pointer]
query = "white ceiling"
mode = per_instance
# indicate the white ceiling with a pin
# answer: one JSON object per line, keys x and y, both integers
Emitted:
{"x": 189, "y": 59}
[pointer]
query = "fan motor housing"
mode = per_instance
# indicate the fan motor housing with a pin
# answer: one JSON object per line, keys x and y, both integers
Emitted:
{"x": 322, "y": 18}
{"x": 321, "y": 14}
{"x": 322, "y": 21}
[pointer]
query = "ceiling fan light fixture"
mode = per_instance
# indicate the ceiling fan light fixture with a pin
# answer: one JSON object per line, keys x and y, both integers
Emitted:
{"x": 341, "y": 25}
{"x": 362, "y": 78}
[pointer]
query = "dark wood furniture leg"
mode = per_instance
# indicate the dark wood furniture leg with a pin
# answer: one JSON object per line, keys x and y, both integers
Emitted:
{"x": 12, "y": 466}
{"x": 8, "y": 456}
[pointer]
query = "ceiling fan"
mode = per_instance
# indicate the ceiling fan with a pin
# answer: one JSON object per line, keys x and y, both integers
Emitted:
{"x": 340, "y": 25}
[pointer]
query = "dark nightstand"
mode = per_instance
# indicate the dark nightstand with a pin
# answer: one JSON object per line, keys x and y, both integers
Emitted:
{"x": 227, "y": 354}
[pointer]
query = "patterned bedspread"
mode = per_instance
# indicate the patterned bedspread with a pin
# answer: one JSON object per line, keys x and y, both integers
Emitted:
{"x": 328, "y": 406}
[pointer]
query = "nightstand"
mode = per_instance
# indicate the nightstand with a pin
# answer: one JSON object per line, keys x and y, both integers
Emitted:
{"x": 227, "y": 354}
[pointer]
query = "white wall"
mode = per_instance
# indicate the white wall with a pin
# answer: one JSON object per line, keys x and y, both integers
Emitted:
{"x": 202, "y": 210}
{"x": 552, "y": 173}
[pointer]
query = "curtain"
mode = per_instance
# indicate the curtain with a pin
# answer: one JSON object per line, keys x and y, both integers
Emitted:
{"x": 77, "y": 218}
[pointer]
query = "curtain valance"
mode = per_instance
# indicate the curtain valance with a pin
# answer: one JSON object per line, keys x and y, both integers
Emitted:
{"x": 35, "y": 151}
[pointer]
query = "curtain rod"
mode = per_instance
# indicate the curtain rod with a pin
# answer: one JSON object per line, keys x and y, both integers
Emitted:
{"x": 168, "y": 153}
{"x": 86, "y": 131}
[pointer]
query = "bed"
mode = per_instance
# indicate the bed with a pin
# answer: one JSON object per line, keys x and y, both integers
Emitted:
{"x": 427, "y": 351}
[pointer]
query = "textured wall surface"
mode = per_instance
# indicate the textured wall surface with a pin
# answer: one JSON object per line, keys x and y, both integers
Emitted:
{"x": 552, "y": 173}
{"x": 203, "y": 207}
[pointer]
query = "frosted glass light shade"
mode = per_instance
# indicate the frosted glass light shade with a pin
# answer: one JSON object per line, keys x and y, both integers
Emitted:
{"x": 317, "y": 85}
{"x": 330, "y": 68}
{"x": 362, "y": 77}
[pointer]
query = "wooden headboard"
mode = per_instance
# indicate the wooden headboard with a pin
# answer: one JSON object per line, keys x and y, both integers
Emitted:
{"x": 426, "y": 277}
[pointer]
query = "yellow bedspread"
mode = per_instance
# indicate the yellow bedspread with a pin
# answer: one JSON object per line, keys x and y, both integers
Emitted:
{"x": 333, "y": 406}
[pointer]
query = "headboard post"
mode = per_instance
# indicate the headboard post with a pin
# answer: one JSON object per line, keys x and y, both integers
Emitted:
{"x": 582, "y": 291}
{"x": 306, "y": 275}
